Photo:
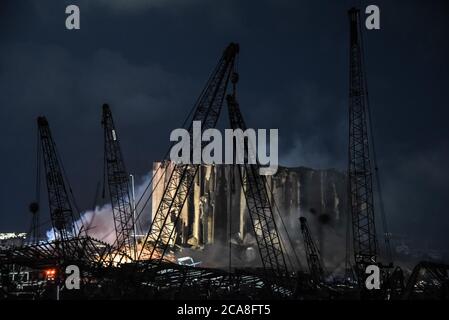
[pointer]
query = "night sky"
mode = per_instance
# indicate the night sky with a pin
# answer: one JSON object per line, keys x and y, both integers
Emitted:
{"x": 150, "y": 59}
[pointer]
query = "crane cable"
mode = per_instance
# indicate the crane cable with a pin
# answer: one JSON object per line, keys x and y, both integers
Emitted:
{"x": 268, "y": 188}
{"x": 189, "y": 115}
{"x": 164, "y": 168}
{"x": 34, "y": 229}
{"x": 285, "y": 229}
{"x": 376, "y": 168}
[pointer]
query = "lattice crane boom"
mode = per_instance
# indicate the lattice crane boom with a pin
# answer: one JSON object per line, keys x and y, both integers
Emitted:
{"x": 119, "y": 185}
{"x": 259, "y": 207}
{"x": 312, "y": 254}
{"x": 359, "y": 167}
{"x": 62, "y": 215}
{"x": 207, "y": 110}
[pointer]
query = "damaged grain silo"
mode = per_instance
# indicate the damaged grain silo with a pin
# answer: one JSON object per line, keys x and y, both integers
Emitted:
{"x": 215, "y": 211}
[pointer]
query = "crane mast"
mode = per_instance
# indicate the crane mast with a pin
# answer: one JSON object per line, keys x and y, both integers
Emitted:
{"x": 313, "y": 256}
{"x": 119, "y": 186}
{"x": 360, "y": 185}
{"x": 258, "y": 204}
{"x": 207, "y": 110}
{"x": 62, "y": 215}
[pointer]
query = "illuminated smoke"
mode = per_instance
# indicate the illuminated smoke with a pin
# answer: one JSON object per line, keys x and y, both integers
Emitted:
{"x": 99, "y": 223}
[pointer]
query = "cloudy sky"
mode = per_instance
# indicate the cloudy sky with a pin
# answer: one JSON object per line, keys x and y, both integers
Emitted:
{"x": 150, "y": 59}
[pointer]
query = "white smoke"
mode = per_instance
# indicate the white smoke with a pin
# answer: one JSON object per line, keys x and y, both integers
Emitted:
{"x": 99, "y": 223}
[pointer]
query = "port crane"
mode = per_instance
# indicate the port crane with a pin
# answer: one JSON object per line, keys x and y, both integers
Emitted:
{"x": 361, "y": 161}
{"x": 258, "y": 203}
{"x": 312, "y": 253}
{"x": 64, "y": 219}
{"x": 119, "y": 187}
{"x": 207, "y": 110}
{"x": 71, "y": 243}
{"x": 360, "y": 174}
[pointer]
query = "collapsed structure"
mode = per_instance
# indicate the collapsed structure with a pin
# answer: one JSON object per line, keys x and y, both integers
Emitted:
{"x": 215, "y": 211}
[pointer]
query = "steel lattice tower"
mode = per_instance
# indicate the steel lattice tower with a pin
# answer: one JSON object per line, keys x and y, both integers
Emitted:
{"x": 119, "y": 185}
{"x": 207, "y": 111}
{"x": 313, "y": 256}
{"x": 62, "y": 215}
{"x": 260, "y": 210}
{"x": 360, "y": 186}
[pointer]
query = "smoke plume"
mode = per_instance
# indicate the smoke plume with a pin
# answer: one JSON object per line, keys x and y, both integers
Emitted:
{"x": 99, "y": 223}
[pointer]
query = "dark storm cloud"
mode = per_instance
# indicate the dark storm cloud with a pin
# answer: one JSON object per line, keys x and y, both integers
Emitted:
{"x": 150, "y": 59}
{"x": 71, "y": 97}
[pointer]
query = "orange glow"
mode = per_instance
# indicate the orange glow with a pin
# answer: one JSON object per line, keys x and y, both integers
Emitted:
{"x": 50, "y": 274}
{"x": 50, "y": 271}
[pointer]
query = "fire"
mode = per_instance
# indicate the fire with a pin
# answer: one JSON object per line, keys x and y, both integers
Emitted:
{"x": 145, "y": 253}
{"x": 140, "y": 253}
